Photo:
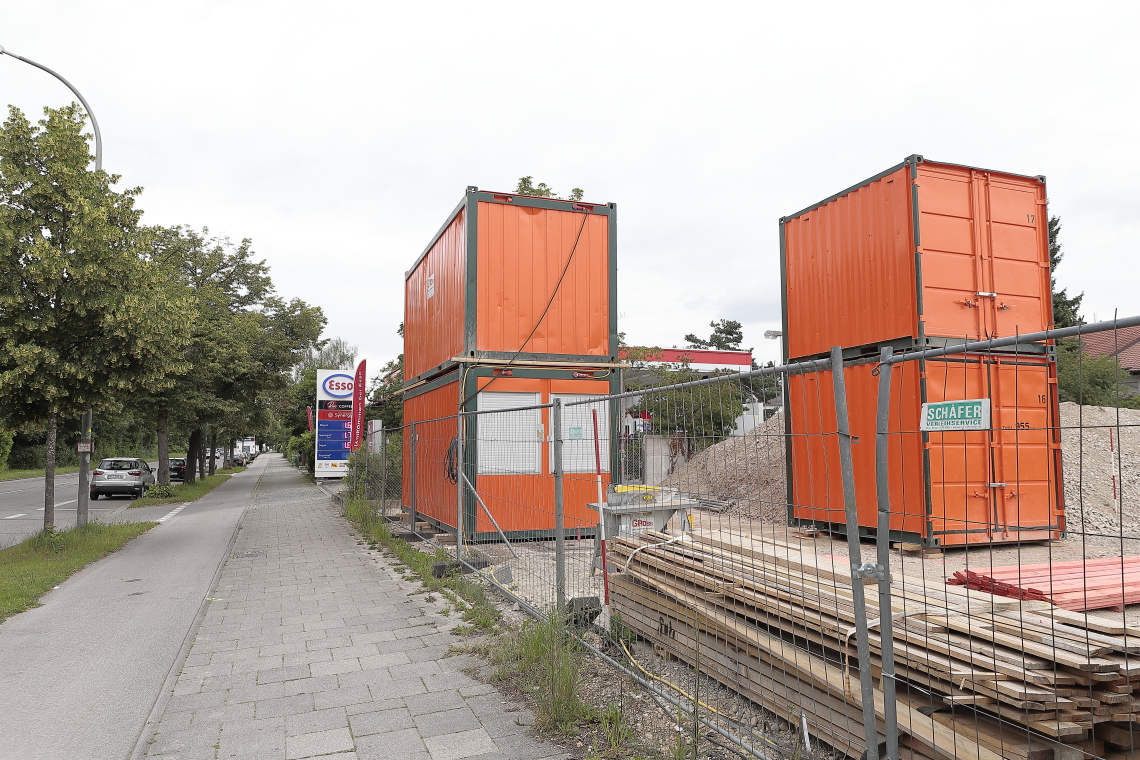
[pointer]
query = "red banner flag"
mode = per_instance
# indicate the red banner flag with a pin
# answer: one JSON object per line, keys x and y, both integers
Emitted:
{"x": 358, "y": 383}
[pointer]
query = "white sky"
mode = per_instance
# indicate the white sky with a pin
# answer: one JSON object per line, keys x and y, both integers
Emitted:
{"x": 339, "y": 135}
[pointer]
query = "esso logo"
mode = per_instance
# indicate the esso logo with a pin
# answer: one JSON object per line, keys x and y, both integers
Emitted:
{"x": 338, "y": 386}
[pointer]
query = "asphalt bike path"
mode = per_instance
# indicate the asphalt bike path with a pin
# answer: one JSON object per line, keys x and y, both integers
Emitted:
{"x": 314, "y": 646}
{"x": 80, "y": 675}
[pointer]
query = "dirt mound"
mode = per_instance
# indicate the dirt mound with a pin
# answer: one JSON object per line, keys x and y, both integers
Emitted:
{"x": 745, "y": 470}
{"x": 1096, "y": 446}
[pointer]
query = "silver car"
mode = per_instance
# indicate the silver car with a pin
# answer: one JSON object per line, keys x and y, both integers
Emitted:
{"x": 121, "y": 476}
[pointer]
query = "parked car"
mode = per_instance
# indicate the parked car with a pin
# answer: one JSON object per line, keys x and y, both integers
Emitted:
{"x": 132, "y": 477}
{"x": 178, "y": 469}
{"x": 240, "y": 460}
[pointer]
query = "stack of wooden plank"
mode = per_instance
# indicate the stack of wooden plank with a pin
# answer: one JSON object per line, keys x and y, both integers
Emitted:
{"x": 1090, "y": 584}
{"x": 979, "y": 676}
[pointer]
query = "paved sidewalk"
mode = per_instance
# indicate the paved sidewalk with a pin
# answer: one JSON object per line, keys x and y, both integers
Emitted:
{"x": 312, "y": 647}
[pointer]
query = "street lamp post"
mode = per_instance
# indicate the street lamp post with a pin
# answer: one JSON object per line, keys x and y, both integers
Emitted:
{"x": 85, "y": 457}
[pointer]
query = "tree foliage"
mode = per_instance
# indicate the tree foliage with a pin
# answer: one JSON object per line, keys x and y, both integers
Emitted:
{"x": 526, "y": 186}
{"x": 726, "y": 336}
{"x": 1092, "y": 380}
{"x": 331, "y": 353}
{"x": 85, "y": 320}
{"x": 243, "y": 348}
{"x": 1066, "y": 310}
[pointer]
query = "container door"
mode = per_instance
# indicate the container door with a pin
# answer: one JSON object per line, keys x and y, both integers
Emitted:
{"x": 985, "y": 255}
{"x": 1019, "y": 262}
{"x": 1025, "y": 481}
{"x": 952, "y": 272}
{"x": 961, "y": 505}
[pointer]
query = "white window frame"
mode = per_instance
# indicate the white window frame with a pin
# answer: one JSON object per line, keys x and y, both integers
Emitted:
{"x": 509, "y": 443}
{"x": 578, "y": 453}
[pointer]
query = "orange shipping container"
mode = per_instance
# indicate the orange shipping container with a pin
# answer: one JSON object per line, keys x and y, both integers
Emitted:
{"x": 508, "y": 456}
{"x": 946, "y": 488}
{"x": 922, "y": 254}
{"x": 512, "y": 277}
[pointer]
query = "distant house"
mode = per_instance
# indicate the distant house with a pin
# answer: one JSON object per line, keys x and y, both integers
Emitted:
{"x": 1124, "y": 344}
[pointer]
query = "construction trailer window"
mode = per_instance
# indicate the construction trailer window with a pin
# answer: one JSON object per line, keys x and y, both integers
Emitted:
{"x": 578, "y": 434}
{"x": 509, "y": 443}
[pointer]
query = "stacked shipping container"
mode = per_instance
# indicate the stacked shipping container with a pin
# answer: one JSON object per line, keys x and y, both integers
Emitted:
{"x": 512, "y": 304}
{"x": 927, "y": 254}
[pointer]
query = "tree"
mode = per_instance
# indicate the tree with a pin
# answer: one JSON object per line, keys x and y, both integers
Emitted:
{"x": 726, "y": 336}
{"x": 526, "y": 186}
{"x": 331, "y": 353}
{"x": 85, "y": 319}
{"x": 242, "y": 349}
{"x": 1066, "y": 310}
{"x": 1091, "y": 380}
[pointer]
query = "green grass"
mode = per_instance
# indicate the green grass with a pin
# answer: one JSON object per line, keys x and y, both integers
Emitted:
{"x": 189, "y": 491}
{"x": 544, "y": 662}
{"x": 31, "y": 568}
{"x": 14, "y": 474}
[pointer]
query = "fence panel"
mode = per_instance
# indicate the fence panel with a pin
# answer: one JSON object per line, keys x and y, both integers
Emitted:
{"x": 728, "y": 565}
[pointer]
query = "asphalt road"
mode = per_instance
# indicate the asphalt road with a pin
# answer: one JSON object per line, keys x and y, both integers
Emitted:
{"x": 79, "y": 675}
{"x": 22, "y": 506}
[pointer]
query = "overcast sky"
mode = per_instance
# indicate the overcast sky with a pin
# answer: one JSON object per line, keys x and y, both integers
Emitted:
{"x": 338, "y": 136}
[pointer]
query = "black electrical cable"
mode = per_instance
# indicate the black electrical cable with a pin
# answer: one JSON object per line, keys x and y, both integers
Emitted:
{"x": 553, "y": 295}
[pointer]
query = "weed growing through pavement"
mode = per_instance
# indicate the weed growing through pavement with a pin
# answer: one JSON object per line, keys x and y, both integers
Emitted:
{"x": 479, "y": 613}
{"x": 31, "y": 568}
{"x": 543, "y": 660}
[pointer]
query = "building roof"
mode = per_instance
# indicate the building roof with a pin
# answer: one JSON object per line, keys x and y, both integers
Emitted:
{"x": 1123, "y": 343}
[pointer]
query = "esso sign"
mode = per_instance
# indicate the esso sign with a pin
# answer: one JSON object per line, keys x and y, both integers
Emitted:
{"x": 338, "y": 386}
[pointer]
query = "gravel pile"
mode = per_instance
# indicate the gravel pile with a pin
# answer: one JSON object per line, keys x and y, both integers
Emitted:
{"x": 1093, "y": 450}
{"x": 747, "y": 471}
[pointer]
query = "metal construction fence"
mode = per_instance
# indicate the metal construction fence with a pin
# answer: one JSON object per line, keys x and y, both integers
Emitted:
{"x": 924, "y": 553}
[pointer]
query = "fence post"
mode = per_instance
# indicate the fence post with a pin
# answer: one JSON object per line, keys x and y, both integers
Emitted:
{"x": 412, "y": 480}
{"x": 858, "y": 570}
{"x": 383, "y": 470}
{"x": 461, "y": 495}
{"x": 883, "y": 557}
{"x": 559, "y": 532}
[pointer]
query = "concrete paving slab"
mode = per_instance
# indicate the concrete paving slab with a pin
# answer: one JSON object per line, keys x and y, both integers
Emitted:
{"x": 314, "y": 649}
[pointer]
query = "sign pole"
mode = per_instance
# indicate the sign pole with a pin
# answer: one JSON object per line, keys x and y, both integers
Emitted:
{"x": 84, "y": 468}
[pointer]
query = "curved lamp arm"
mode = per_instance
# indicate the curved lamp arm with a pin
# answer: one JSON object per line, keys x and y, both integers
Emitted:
{"x": 70, "y": 86}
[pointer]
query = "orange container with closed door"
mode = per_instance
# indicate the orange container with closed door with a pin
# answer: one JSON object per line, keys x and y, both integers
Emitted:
{"x": 510, "y": 277}
{"x": 924, "y": 253}
{"x": 946, "y": 488}
{"x": 508, "y": 455}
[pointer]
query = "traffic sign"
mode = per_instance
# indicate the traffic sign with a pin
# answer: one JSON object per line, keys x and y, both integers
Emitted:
{"x": 85, "y": 447}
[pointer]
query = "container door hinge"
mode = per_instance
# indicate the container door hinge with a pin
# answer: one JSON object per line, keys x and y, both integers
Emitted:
{"x": 870, "y": 570}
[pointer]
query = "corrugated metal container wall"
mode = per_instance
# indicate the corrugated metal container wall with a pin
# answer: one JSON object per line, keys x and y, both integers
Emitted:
{"x": 522, "y": 499}
{"x": 513, "y": 277}
{"x": 435, "y": 495}
{"x": 508, "y": 455}
{"x": 924, "y": 250}
{"x": 526, "y": 256}
{"x": 434, "y": 301}
{"x": 946, "y": 488}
